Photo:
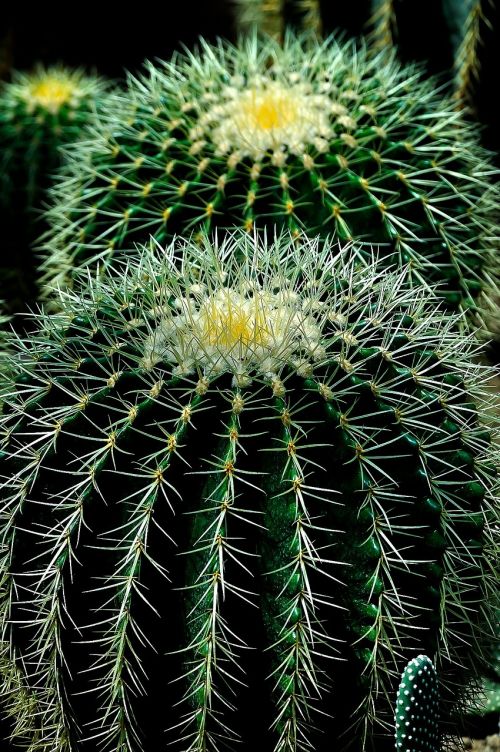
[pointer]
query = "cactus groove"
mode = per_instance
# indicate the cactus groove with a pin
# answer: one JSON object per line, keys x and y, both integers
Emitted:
{"x": 250, "y": 480}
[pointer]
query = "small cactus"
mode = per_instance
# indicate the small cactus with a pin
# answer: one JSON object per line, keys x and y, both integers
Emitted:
{"x": 250, "y": 479}
{"x": 417, "y": 708}
{"x": 40, "y": 112}
{"x": 319, "y": 138}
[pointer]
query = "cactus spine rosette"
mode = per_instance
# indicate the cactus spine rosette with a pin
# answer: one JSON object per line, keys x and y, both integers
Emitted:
{"x": 39, "y": 112}
{"x": 319, "y": 138}
{"x": 251, "y": 479}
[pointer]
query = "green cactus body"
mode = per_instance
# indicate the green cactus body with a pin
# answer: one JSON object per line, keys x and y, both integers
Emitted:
{"x": 417, "y": 708}
{"x": 320, "y": 138}
{"x": 251, "y": 481}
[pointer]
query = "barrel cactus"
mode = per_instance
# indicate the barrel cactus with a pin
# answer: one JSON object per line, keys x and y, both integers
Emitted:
{"x": 320, "y": 138}
{"x": 39, "y": 112}
{"x": 250, "y": 479}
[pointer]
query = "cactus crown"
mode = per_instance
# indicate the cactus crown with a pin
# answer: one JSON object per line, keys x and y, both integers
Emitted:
{"x": 273, "y": 449}
{"x": 243, "y": 315}
{"x": 49, "y": 89}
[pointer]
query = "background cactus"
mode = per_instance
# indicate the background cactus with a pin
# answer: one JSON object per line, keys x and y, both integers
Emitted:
{"x": 233, "y": 426}
{"x": 416, "y": 716}
{"x": 487, "y": 701}
{"x": 316, "y": 138}
{"x": 39, "y": 112}
{"x": 274, "y": 16}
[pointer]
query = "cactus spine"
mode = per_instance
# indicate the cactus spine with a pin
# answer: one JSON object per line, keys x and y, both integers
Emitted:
{"x": 281, "y": 459}
{"x": 319, "y": 138}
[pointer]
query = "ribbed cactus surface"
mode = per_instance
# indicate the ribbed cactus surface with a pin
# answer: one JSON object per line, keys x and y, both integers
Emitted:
{"x": 242, "y": 484}
{"x": 320, "y": 138}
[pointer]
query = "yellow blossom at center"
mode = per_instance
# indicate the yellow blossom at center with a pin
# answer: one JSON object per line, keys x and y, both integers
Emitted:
{"x": 52, "y": 92}
{"x": 244, "y": 329}
{"x": 230, "y": 320}
{"x": 269, "y": 115}
{"x": 269, "y": 109}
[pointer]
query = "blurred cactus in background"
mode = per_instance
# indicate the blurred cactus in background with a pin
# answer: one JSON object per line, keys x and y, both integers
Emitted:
{"x": 39, "y": 113}
{"x": 319, "y": 138}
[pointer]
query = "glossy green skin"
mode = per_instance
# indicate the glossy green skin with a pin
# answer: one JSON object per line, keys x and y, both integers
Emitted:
{"x": 417, "y": 708}
{"x": 410, "y": 176}
{"x": 396, "y": 451}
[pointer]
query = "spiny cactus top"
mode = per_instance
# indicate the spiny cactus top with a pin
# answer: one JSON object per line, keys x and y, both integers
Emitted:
{"x": 247, "y": 481}
{"x": 39, "y": 112}
{"x": 320, "y": 138}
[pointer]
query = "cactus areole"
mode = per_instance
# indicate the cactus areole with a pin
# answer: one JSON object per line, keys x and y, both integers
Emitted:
{"x": 319, "y": 138}
{"x": 243, "y": 483}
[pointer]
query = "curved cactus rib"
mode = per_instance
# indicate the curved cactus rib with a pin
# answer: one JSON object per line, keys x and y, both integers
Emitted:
{"x": 212, "y": 663}
{"x": 47, "y": 588}
{"x": 120, "y": 630}
{"x": 291, "y": 606}
{"x": 382, "y": 617}
{"x": 44, "y": 586}
{"x": 46, "y": 593}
